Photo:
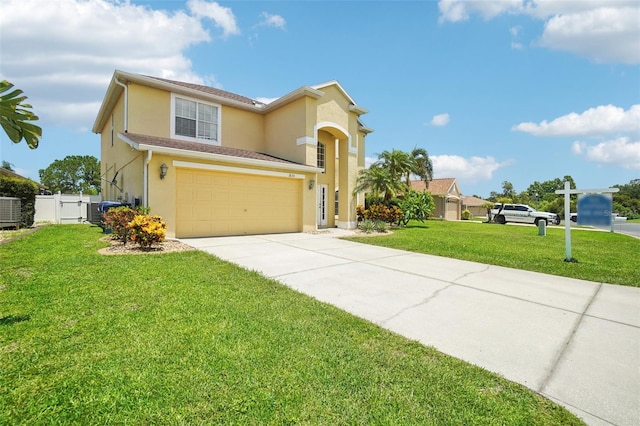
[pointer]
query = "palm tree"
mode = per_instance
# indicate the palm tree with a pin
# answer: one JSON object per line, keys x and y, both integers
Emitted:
{"x": 399, "y": 163}
{"x": 379, "y": 180}
{"x": 422, "y": 166}
{"x": 15, "y": 114}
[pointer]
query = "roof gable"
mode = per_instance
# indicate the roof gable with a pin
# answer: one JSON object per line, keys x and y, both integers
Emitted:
{"x": 446, "y": 186}
{"x": 353, "y": 107}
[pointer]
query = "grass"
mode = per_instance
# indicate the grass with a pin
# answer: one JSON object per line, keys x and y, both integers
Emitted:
{"x": 6, "y": 234}
{"x": 186, "y": 338}
{"x": 602, "y": 256}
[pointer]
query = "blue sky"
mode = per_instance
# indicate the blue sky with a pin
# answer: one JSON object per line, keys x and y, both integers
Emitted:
{"x": 495, "y": 91}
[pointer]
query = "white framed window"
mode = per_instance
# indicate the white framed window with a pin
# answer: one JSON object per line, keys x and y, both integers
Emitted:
{"x": 321, "y": 156}
{"x": 195, "y": 120}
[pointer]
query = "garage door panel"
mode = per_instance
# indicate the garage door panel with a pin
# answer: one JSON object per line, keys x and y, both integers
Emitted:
{"x": 219, "y": 203}
{"x": 203, "y": 179}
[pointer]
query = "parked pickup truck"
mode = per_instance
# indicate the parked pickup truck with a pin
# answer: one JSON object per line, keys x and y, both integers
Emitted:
{"x": 522, "y": 213}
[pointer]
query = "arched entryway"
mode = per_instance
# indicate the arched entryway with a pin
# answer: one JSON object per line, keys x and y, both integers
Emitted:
{"x": 333, "y": 144}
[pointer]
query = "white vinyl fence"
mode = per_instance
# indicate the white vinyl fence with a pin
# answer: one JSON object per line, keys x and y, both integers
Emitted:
{"x": 65, "y": 208}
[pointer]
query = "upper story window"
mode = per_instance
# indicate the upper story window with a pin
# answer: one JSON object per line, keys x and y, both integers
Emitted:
{"x": 193, "y": 119}
{"x": 321, "y": 156}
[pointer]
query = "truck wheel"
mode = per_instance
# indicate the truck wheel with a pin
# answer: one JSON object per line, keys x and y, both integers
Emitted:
{"x": 500, "y": 219}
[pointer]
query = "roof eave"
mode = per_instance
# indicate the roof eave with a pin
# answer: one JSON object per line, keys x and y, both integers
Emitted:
{"x": 292, "y": 96}
{"x": 108, "y": 102}
{"x": 357, "y": 109}
{"x": 366, "y": 130}
{"x": 219, "y": 157}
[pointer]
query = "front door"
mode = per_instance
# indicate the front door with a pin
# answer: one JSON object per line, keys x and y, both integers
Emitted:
{"x": 322, "y": 205}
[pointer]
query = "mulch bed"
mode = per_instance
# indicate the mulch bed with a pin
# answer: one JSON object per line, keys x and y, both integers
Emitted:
{"x": 167, "y": 246}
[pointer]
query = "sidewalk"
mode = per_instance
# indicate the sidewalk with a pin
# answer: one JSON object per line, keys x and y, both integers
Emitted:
{"x": 575, "y": 342}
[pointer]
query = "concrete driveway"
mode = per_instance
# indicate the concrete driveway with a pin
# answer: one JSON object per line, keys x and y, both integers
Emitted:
{"x": 575, "y": 342}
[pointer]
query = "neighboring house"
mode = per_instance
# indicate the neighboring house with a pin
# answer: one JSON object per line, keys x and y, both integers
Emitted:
{"x": 446, "y": 195}
{"x": 215, "y": 163}
{"x": 474, "y": 205}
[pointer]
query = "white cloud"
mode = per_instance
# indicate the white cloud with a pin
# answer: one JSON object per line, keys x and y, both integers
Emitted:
{"x": 222, "y": 16}
{"x": 270, "y": 20}
{"x": 460, "y": 10}
{"x": 601, "y": 120}
{"x": 466, "y": 170}
{"x": 66, "y": 64}
{"x": 603, "y": 35}
{"x": 439, "y": 120}
{"x": 515, "y": 31}
{"x": 368, "y": 161}
{"x": 601, "y": 30}
{"x": 578, "y": 147}
{"x": 621, "y": 152}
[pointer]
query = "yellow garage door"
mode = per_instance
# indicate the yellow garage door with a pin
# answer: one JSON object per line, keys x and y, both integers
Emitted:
{"x": 211, "y": 203}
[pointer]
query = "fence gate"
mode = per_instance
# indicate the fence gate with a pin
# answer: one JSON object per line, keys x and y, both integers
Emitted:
{"x": 64, "y": 208}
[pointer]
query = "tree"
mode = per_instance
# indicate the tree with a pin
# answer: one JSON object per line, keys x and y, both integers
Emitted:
{"x": 422, "y": 165}
{"x": 545, "y": 191}
{"x": 7, "y": 166}
{"x": 15, "y": 116}
{"x": 508, "y": 191}
{"x": 397, "y": 162}
{"x": 627, "y": 200}
{"x": 379, "y": 181}
{"x": 73, "y": 174}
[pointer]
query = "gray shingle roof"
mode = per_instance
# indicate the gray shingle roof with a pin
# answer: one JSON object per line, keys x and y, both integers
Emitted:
{"x": 202, "y": 147}
{"x": 211, "y": 91}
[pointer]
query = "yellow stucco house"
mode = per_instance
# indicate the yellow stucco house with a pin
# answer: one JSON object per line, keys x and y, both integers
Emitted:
{"x": 214, "y": 163}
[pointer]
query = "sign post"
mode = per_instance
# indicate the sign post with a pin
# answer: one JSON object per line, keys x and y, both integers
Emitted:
{"x": 597, "y": 209}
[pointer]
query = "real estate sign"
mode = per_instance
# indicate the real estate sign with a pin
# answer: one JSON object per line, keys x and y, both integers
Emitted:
{"x": 594, "y": 209}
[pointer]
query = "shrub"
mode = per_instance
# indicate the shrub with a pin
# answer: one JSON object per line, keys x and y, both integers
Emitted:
{"x": 147, "y": 230}
{"x": 24, "y": 189}
{"x": 416, "y": 206}
{"x": 380, "y": 226}
{"x": 379, "y": 212}
{"x": 395, "y": 215}
{"x": 118, "y": 219}
{"x": 367, "y": 226}
{"x": 466, "y": 215}
{"x": 370, "y": 200}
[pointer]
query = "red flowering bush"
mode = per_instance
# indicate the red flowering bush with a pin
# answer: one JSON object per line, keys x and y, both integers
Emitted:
{"x": 379, "y": 213}
{"x": 117, "y": 219}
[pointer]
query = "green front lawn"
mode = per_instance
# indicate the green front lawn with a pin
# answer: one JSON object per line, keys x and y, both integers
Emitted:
{"x": 602, "y": 256}
{"x": 185, "y": 338}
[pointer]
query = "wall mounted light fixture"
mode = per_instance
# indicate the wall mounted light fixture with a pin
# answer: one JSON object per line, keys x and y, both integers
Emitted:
{"x": 312, "y": 183}
{"x": 163, "y": 170}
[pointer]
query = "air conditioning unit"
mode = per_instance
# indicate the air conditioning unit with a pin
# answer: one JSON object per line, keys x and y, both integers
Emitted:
{"x": 9, "y": 212}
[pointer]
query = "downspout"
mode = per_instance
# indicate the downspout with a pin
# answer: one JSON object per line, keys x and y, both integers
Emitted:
{"x": 146, "y": 178}
{"x": 126, "y": 104}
